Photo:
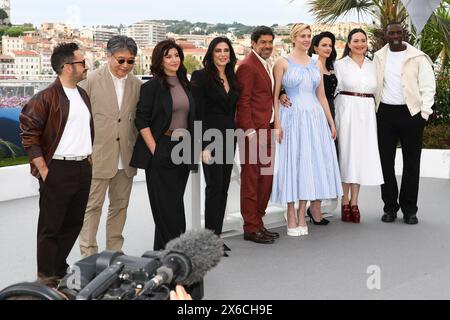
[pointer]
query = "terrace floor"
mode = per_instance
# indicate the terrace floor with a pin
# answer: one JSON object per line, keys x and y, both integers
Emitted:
{"x": 332, "y": 262}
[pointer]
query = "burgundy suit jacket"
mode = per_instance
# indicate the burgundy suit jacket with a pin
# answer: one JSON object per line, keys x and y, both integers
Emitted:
{"x": 254, "y": 107}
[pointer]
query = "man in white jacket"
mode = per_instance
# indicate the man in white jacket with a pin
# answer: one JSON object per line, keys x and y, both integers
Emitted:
{"x": 405, "y": 95}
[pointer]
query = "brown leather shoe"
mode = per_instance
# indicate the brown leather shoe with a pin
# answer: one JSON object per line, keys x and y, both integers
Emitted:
{"x": 346, "y": 215}
{"x": 258, "y": 237}
{"x": 270, "y": 234}
{"x": 355, "y": 214}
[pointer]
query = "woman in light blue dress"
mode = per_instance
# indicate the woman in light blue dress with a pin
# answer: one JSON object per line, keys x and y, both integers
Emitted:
{"x": 306, "y": 166}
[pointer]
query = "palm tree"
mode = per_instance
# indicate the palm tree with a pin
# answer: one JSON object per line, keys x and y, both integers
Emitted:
{"x": 382, "y": 12}
{"x": 3, "y": 16}
{"x": 435, "y": 38}
{"x": 10, "y": 147}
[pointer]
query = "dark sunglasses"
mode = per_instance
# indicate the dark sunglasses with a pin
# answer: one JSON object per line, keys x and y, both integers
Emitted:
{"x": 122, "y": 60}
{"x": 83, "y": 63}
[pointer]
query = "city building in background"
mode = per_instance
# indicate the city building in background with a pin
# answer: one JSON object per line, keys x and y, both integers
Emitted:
{"x": 147, "y": 33}
{"x": 29, "y": 55}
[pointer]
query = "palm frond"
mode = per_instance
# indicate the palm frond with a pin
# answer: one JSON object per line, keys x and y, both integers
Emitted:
{"x": 435, "y": 40}
{"x": 11, "y": 147}
{"x": 328, "y": 11}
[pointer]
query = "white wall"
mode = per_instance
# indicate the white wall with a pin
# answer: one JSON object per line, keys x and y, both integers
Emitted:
{"x": 16, "y": 182}
{"x": 433, "y": 164}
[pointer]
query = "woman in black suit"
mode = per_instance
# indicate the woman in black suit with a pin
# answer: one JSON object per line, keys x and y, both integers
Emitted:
{"x": 216, "y": 92}
{"x": 165, "y": 110}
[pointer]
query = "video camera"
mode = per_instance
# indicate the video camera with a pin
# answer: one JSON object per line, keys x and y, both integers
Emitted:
{"x": 112, "y": 275}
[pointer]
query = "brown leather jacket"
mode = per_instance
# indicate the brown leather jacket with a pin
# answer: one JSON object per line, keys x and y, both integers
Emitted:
{"x": 42, "y": 122}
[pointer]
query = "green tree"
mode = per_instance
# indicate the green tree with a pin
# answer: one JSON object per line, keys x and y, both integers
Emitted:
{"x": 382, "y": 12}
{"x": 13, "y": 32}
{"x": 191, "y": 64}
{"x": 435, "y": 38}
{"x": 8, "y": 149}
{"x": 3, "y": 16}
{"x": 17, "y": 31}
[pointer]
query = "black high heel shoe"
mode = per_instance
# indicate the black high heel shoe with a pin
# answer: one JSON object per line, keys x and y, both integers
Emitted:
{"x": 322, "y": 222}
{"x": 226, "y": 248}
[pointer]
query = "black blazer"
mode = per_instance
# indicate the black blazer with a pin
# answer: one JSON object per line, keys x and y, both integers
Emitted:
{"x": 154, "y": 111}
{"x": 215, "y": 107}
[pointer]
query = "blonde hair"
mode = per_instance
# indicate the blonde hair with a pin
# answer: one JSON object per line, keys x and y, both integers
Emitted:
{"x": 297, "y": 28}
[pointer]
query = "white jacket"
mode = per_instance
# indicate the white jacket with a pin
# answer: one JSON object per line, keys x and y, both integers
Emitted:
{"x": 418, "y": 81}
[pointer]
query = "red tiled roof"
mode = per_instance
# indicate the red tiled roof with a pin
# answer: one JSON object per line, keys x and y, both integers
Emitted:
{"x": 26, "y": 53}
{"x": 194, "y": 50}
{"x": 30, "y": 40}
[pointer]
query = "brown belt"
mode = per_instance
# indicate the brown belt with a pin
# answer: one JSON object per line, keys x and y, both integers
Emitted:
{"x": 169, "y": 133}
{"x": 357, "y": 94}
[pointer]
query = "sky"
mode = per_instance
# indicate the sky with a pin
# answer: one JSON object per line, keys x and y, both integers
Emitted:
{"x": 115, "y": 12}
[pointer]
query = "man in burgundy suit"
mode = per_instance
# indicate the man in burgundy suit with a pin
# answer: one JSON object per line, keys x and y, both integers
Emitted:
{"x": 253, "y": 115}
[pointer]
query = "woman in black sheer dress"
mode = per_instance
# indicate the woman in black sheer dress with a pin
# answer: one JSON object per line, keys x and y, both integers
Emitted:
{"x": 323, "y": 46}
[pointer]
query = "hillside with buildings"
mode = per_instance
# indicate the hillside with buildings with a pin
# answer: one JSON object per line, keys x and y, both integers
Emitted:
{"x": 27, "y": 56}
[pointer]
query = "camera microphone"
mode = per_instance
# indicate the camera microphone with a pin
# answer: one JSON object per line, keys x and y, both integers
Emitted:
{"x": 186, "y": 259}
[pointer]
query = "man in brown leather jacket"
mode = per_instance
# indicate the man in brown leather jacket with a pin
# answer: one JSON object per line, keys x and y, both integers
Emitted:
{"x": 57, "y": 134}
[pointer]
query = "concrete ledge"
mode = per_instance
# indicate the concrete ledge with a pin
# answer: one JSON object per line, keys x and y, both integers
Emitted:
{"x": 434, "y": 163}
{"x": 16, "y": 182}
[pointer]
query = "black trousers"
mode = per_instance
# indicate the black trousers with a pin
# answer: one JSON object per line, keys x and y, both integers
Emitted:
{"x": 395, "y": 124}
{"x": 62, "y": 204}
{"x": 217, "y": 178}
{"x": 166, "y": 183}
{"x": 333, "y": 115}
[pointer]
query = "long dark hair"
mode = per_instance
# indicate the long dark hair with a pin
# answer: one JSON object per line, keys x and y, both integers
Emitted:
{"x": 211, "y": 69}
{"x": 349, "y": 39}
{"x": 157, "y": 70}
{"x": 329, "y": 63}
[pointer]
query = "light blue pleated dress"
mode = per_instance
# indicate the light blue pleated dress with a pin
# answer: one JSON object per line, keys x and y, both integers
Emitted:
{"x": 306, "y": 166}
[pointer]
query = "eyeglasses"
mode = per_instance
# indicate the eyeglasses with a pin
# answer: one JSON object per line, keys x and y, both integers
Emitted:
{"x": 122, "y": 60}
{"x": 83, "y": 63}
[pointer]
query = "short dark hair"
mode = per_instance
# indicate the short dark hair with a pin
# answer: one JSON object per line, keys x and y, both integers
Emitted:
{"x": 157, "y": 70}
{"x": 62, "y": 54}
{"x": 390, "y": 23}
{"x": 329, "y": 63}
{"x": 117, "y": 43}
{"x": 261, "y": 31}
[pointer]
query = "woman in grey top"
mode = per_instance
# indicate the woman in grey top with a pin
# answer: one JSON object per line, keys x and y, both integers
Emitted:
{"x": 165, "y": 111}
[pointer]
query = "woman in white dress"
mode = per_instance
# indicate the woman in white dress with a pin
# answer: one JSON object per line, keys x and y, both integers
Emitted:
{"x": 356, "y": 123}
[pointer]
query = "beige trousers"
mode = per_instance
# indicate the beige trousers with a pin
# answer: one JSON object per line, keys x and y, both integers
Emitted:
{"x": 119, "y": 194}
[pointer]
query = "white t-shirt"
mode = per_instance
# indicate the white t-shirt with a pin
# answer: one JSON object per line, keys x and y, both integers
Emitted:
{"x": 392, "y": 82}
{"x": 76, "y": 139}
{"x": 119, "y": 86}
{"x": 269, "y": 68}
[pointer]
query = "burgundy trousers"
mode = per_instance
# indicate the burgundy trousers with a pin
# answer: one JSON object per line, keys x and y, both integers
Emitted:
{"x": 256, "y": 178}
